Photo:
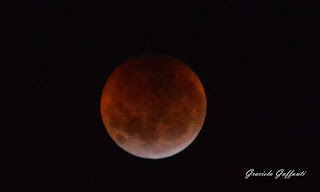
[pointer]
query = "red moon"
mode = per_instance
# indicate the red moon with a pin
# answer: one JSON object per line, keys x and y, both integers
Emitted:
{"x": 153, "y": 106}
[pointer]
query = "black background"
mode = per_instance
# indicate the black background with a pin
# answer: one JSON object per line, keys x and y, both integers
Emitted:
{"x": 256, "y": 63}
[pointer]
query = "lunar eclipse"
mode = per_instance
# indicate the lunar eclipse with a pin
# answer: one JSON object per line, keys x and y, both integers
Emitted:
{"x": 153, "y": 106}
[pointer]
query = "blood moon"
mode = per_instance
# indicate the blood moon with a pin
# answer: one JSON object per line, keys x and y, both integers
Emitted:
{"x": 153, "y": 106}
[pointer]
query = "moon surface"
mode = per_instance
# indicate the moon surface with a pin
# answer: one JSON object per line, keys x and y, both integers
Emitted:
{"x": 153, "y": 106}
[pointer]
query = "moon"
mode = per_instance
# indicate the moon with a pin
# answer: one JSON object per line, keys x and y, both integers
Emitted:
{"x": 153, "y": 106}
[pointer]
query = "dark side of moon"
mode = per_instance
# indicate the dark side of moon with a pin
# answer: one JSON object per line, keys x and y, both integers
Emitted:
{"x": 153, "y": 106}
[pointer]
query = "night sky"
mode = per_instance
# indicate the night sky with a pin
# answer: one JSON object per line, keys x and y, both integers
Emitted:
{"x": 256, "y": 63}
